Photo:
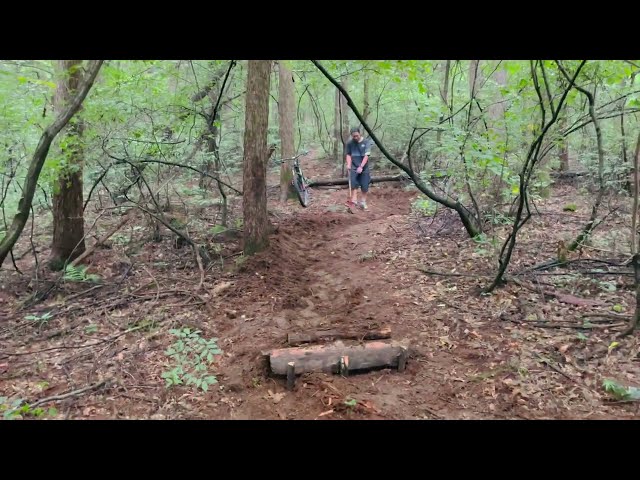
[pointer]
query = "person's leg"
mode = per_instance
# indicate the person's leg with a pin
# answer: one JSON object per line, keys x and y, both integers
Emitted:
{"x": 364, "y": 180}
{"x": 354, "y": 186}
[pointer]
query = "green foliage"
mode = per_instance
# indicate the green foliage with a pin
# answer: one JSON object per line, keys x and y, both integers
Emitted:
{"x": 191, "y": 355}
{"x": 79, "y": 274}
{"x": 425, "y": 207}
{"x": 218, "y": 229}
{"x": 41, "y": 320}
{"x": 571, "y": 207}
{"x": 619, "y": 392}
{"x": 16, "y": 409}
{"x": 485, "y": 245}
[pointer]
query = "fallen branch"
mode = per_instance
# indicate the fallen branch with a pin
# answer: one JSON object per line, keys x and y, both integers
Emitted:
{"x": 295, "y": 339}
{"x": 73, "y": 393}
{"x": 561, "y": 297}
{"x": 62, "y": 347}
{"x": 577, "y": 326}
{"x": 608, "y": 315}
{"x": 189, "y": 167}
{"x": 556, "y": 263}
{"x": 345, "y": 181}
{"x": 103, "y": 239}
{"x": 446, "y": 274}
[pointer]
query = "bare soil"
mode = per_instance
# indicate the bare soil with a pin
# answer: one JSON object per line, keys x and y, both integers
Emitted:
{"x": 515, "y": 354}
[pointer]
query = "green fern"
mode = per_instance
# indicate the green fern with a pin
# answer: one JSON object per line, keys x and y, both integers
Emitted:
{"x": 79, "y": 274}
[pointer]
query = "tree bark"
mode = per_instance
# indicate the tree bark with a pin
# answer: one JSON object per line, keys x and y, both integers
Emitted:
{"x": 633, "y": 324}
{"x": 366, "y": 110}
{"x": 444, "y": 93}
{"x": 564, "y": 148}
{"x": 345, "y": 181}
{"x": 68, "y": 218}
{"x": 286, "y": 127}
{"x": 39, "y": 157}
{"x": 296, "y": 339}
{"x": 337, "y": 152}
{"x": 326, "y": 358}
{"x": 256, "y": 222}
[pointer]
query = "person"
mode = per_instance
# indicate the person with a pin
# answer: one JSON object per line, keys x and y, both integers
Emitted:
{"x": 358, "y": 151}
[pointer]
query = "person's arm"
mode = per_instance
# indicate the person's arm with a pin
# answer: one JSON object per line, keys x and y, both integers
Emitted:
{"x": 348, "y": 153}
{"x": 366, "y": 157}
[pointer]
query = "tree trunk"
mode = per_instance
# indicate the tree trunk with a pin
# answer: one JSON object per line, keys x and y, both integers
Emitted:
{"x": 286, "y": 126}
{"x": 39, "y": 157}
{"x": 564, "y": 147}
{"x": 337, "y": 152}
{"x": 68, "y": 218}
{"x": 633, "y": 324}
{"x": 444, "y": 94}
{"x": 366, "y": 111}
{"x": 474, "y": 78}
{"x": 256, "y": 223}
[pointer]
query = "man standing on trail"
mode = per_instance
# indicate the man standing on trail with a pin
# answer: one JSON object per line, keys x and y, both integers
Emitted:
{"x": 358, "y": 151}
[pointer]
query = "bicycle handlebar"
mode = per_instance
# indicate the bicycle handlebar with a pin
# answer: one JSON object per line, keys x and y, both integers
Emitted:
{"x": 303, "y": 154}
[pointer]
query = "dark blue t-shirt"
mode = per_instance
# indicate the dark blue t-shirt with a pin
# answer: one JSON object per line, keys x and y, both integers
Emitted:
{"x": 358, "y": 150}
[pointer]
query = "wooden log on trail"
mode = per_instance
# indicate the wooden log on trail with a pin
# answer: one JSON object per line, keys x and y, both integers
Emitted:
{"x": 296, "y": 339}
{"x": 345, "y": 181}
{"x": 329, "y": 358}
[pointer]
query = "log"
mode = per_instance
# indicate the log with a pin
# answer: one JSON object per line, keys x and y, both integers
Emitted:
{"x": 327, "y": 358}
{"x": 296, "y": 339}
{"x": 345, "y": 181}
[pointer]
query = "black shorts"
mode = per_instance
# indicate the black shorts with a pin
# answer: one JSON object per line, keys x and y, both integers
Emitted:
{"x": 360, "y": 180}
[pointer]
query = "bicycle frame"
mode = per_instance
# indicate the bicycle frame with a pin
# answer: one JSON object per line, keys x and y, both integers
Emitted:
{"x": 299, "y": 182}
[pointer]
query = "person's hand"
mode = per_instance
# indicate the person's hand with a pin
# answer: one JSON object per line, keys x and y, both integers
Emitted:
{"x": 359, "y": 170}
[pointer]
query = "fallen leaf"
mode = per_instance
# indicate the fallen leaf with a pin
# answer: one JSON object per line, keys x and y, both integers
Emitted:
{"x": 220, "y": 288}
{"x": 564, "y": 348}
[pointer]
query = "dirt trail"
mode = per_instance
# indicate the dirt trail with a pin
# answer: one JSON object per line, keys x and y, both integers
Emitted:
{"x": 327, "y": 269}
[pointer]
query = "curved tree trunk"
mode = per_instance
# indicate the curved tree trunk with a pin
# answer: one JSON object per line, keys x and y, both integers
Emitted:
{"x": 68, "y": 218}
{"x": 39, "y": 157}
{"x": 469, "y": 222}
{"x": 254, "y": 205}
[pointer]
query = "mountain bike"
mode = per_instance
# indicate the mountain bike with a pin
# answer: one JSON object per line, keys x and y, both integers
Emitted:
{"x": 300, "y": 183}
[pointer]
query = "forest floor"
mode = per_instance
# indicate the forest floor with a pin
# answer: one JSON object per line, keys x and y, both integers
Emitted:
{"x": 518, "y": 353}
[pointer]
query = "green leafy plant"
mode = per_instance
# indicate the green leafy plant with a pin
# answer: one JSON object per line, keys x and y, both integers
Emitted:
{"x": 191, "y": 356}
{"x": 79, "y": 274}
{"x": 425, "y": 207}
{"x": 217, "y": 229}
{"x": 571, "y": 207}
{"x": 619, "y": 392}
{"x": 40, "y": 319}
{"x": 351, "y": 403}
{"x": 16, "y": 409}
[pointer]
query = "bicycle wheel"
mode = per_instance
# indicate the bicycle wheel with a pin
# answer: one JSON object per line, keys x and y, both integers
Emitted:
{"x": 301, "y": 190}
